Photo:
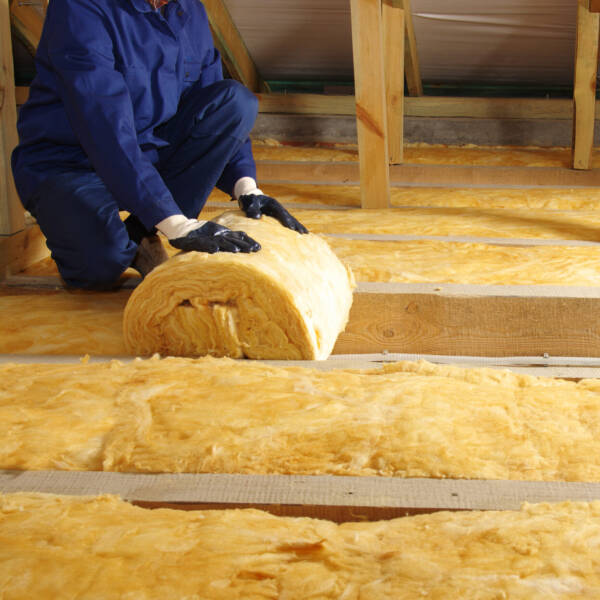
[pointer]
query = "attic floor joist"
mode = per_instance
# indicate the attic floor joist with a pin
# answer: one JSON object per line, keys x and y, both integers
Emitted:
{"x": 337, "y": 498}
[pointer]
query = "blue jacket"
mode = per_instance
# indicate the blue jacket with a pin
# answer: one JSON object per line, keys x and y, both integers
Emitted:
{"x": 109, "y": 72}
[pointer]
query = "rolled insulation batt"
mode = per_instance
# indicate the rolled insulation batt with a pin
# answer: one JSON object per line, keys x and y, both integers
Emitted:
{"x": 290, "y": 300}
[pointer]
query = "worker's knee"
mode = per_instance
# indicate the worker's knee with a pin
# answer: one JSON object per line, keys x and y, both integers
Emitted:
{"x": 239, "y": 106}
{"x": 244, "y": 102}
{"x": 83, "y": 230}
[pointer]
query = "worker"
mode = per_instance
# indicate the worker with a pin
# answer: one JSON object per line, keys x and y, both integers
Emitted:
{"x": 129, "y": 111}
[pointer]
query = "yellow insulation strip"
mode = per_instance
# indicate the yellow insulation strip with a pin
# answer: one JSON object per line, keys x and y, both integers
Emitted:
{"x": 220, "y": 416}
{"x": 101, "y": 547}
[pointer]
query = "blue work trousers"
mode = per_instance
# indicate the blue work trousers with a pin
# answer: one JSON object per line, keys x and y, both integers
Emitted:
{"x": 80, "y": 217}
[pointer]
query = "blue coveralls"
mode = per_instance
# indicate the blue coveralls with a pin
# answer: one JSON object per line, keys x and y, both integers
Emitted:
{"x": 128, "y": 111}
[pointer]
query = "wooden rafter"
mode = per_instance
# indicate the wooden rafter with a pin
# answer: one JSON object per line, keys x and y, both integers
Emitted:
{"x": 411, "y": 58}
{"x": 584, "y": 94}
{"x": 12, "y": 216}
{"x": 28, "y": 20}
{"x": 231, "y": 46}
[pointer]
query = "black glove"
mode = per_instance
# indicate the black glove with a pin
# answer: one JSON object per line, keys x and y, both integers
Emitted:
{"x": 213, "y": 238}
{"x": 255, "y": 206}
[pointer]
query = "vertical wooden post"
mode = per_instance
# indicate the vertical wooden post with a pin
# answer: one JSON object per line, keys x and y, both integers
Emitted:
{"x": 393, "y": 47}
{"x": 12, "y": 214}
{"x": 371, "y": 120}
{"x": 411, "y": 58}
{"x": 584, "y": 92}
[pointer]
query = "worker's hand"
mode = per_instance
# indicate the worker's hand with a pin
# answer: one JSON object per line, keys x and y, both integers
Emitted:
{"x": 212, "y": 238}
{"x": 257, "y": 205}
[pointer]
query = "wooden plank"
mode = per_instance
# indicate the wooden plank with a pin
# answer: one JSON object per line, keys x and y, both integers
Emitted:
{"x": 411, "y": 57}
{"x": 337, "y": 497}
{"x": 19, "y": 251}
{"x": 12, "y": 215}
{"x": 393, "y": 43}
{"x": 477, "y": 320}
{"x": 371, "y": 120}
{"x": 21, "y": 94}
{"x": 448, "y": 107}
{"x": 476, "y": 108}
{"x": 584, "y": 93}
{"x": 230, "y": 44}
{"x": 28, "y": 20}
{"x": 347, "y": 173}
{"x": 594, "y": 5}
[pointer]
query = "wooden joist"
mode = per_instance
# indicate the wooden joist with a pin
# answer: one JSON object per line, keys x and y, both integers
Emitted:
{"x": 232, "y": 47}
{"x": 432, "y": 107}
{"x": 12, "y": 216}
{"x": 348, "y": 173}
{"x": 482, "y": 320}
{"x": 371, "y": 119}
{"x": 584, "y": 93}
{"x": 336, "y": 498}
{"x": 427, "y": 107}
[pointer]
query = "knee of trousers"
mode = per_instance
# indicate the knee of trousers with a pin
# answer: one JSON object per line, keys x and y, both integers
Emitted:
{"x": 84, "y": 232}
{"x": 240, "y": 105}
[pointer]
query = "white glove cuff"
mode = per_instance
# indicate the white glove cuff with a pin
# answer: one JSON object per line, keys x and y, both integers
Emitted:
{"x": 245, "y": 186}
{"x": 177, "y": 226}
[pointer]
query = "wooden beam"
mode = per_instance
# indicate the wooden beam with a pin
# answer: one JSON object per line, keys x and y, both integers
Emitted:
{"x": 21, "y": 94}
{"x": 584, "y": 94}
{"x": 19, "y": 251}
{"x": 338, "y": 498}
{"x": 28, "y": 21}
{"x": 474, "y": 108}
{"x": 230, "y": 44}
{"x": 393, "y": 37}
{"x": 482, "y": 320}
{"x": 411, "y": 58}
{"x": 12, "y": 214}
{"x": 371, "y": 120}
{"x": 429, "y": 175}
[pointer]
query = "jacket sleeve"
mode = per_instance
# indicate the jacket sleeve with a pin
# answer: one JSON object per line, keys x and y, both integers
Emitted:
{"x": 100, "y": 111}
